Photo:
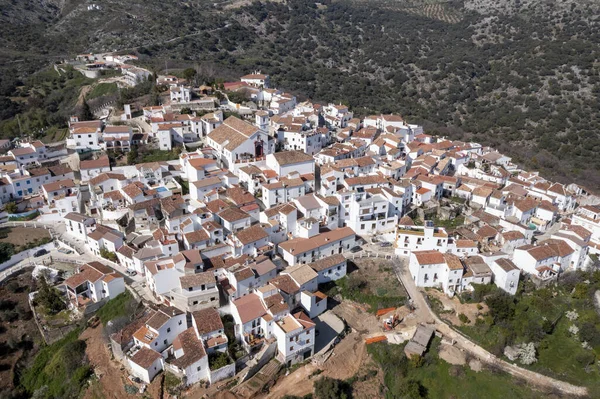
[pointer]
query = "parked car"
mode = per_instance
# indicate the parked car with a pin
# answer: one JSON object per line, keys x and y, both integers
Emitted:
{"x": 131, "y": 272}
{"x": 40, "y": 252}
{"x": 356, "y": 249}
{"x": 385, "y": 244}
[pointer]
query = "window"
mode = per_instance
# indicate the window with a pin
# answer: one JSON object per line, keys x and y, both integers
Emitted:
{"x": 165, "y": 341}
{"x": 168, "y": 330}
{"x": 291, "y": 348}
{"x": 199, "y": 368}
{"x": 156, "y": 344}
{"x": 291, "y": 339}
{"x": 195, "y": 303}
{"x": 179, "y": 322}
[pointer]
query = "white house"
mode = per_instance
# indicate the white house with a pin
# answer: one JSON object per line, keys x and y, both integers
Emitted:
{"x": 330, "y": 268}
{"x": 236, "y": 140}
{"x": 191, "y": 359}
{"x": 506, "y": 275}
{"x": 287, "y": 162}
{"x": 295, "y": 338}
{"x": 161, "y": 329}
{"x": 308, "y": 250}
{"x": 431, "y": 268}
{"x": 79, "y": 225}
{"x": 180, "y": 94}
{"x": 411, "y": 238}
{"x": 257, "y": 79}
{"x": 93, "y": 282}
{"x": 145, "y": 364}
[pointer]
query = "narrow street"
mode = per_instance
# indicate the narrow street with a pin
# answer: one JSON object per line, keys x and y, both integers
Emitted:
{"x": 477, "y": 351}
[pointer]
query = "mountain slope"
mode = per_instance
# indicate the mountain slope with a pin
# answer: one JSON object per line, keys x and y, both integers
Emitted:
{"x": 519, "y": 75}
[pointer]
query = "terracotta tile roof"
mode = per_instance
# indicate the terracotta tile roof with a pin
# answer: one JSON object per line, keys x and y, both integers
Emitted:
{"x": 487, "y": 232}
{"x": 453, "y": 261}
{"x": 207, "y": 320}
{"x": 560, "y": 247}
{"x": 328, "y": 262}
{"x": 249, "y": 307}
{"x": 300, "y": 245}
{"x": 251, "y": 234}
{"x": 579, "y": 231}
{"x": 366, "y": 180}
{"x": 197, "y": 280}
{"x": 239, "y": 196}
{"x": 263, "y": 267}
{"x": 241, "y": 272}
{"x": 102, "y": 177}
{"x": 465, "y": 244}
{"x": 285, "y": 283}
{"x": 276, "y": 304}
{"x": 59, "y": 185}
{"x": 526, "y": 204}
{"x": 540, "y": 252}
{"x": 232, "y": 133}
{"x": 199, "y": 235}
{"x": 193, "y": 349}
{"x": 406, "y": 221}
{"x": 506, "y": 264}
{"x": 292, "y": 157}
{"x": 161, "y": 316}
{"x": 233, "y": 214}
{"x": 301, "y": 274}
{"x": 431, "y": 257}
{"x": 145, "y": 357}
{"x": 77, "y": 217}
{"x": 513, "y": 235}
{"x": 208, "y": 181}
{"x": 102, "y": 162}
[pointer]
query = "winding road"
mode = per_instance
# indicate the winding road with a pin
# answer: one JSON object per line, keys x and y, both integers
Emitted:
{"x": 477, "y": 351}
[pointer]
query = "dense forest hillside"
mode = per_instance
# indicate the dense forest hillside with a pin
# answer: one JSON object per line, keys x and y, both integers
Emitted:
{"x": 521, "y": 75}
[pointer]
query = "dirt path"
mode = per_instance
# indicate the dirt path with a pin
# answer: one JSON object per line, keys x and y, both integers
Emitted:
{"x": 113, "y": 377}
{"x": 478, "y": 352}
{"x": 347, "y": 359}
{"x": 297, "y": 383}
{"x": 82, "y": 93}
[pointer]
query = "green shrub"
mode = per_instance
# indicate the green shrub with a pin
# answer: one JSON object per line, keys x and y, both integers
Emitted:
{"x": 330, "y": 388}
{"x": 121, "y": 305}
{"x": 61, "y": 367}
{"x": 463, "y": 318}
{"x": 218, "y": 360}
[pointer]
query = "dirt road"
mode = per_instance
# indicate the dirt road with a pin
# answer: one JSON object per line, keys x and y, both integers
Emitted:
{"x": 536, "y": 379}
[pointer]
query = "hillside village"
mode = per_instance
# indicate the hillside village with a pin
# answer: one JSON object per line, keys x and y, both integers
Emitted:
{"x": 266, "y": 202}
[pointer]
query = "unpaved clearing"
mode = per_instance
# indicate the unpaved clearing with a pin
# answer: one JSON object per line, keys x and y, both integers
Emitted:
{"x": 23, "y": 235}
{"x": 455, "y": 307}
{"x": 357, "y": 317}
{"x": 452, "y": 355}
{"x": 348, "y": 358}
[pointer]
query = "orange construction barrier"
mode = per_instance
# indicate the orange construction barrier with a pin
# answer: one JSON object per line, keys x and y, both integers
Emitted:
{"x": 381, "y": 312}
{"x": 372, "y": 340}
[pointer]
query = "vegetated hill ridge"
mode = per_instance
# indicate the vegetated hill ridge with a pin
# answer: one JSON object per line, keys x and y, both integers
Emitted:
{"x": 520, "y": 75}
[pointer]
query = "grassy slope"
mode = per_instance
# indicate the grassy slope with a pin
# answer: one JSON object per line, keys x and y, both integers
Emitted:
{"x": 435, "y": 376}
{"x": 560, "y": 354}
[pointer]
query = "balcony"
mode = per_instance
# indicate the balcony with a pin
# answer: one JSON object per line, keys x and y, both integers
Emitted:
{"x": 253, "y": 341}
